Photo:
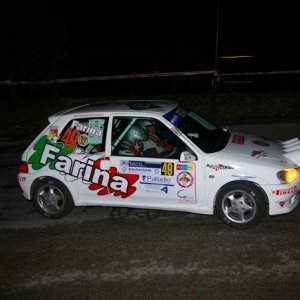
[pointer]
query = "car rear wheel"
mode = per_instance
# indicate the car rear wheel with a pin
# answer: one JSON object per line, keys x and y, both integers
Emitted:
{"x": 241, "y": 204}
{"x": 52, "y": 198}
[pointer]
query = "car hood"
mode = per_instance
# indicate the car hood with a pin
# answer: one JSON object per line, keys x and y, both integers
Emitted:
{"x": 267, "y": 151}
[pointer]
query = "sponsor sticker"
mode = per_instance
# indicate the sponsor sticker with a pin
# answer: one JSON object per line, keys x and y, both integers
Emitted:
{"x": 167, "y": 191}
{"x": 89, "y": 114}
{"x": 93, "y": 172}
{"x": 176, "y": 131}
{"x": 21, "y": 178}
{"x": 288, "y": 191}
{"x": 83, "y": 140}
{"x": 238, "y": 139}
{"x": 157, "y": 184}
{"x": 244, "y": 176}
{"x": 160, "y": 180}
{"x": 185, "y": 179}
{"x": 53, "y": 134}
{"x": 282, "y": 203}
{"x": 94, "y": 129}
{"x": 140, "y": 167}
{"x": 185, "y": 167}
{"x": 218, "y": 167}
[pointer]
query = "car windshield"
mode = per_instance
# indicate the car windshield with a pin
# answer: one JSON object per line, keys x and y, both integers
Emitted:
{"x": 206, "y": 135}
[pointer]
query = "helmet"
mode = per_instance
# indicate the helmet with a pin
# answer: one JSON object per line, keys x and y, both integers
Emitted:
{"x": 136, "y": 132}
{"x": 145, "y": 123}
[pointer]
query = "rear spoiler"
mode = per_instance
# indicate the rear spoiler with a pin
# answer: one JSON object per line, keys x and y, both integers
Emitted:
{"x": 57, "y": 115}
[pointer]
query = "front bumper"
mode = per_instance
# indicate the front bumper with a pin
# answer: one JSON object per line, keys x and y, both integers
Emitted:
{"x": 283, "y": 198}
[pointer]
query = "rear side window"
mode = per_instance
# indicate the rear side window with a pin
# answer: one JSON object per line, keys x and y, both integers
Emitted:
{"x": 84, "y": 135}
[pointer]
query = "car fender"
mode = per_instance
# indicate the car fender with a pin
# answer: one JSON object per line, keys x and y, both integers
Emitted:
{"x": 60, "y": 178}
{"x": 218, "y": 184}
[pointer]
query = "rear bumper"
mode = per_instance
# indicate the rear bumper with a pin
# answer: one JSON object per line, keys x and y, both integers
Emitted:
{"x": 25, "y": 183}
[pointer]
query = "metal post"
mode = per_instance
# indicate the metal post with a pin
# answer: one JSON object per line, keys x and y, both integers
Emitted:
{"x": 216, "y": 73}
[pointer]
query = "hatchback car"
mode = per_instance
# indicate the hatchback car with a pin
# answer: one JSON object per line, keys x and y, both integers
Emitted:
{"x": 157, "y": 155}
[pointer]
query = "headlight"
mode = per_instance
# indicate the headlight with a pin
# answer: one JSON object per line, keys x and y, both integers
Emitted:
{"x": 288, "y": 175}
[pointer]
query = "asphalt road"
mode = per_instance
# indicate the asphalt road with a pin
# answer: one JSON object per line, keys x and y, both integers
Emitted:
{"x": 104, "y": 253}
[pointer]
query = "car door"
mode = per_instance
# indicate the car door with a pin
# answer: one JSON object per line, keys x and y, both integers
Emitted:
{"x": 145, "y": 155}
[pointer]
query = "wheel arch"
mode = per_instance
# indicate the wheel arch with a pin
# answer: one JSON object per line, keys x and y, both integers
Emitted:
{"x": 243, "y": 182}
{"x": 67, "y": 186}
{"x": 241, "y": 203}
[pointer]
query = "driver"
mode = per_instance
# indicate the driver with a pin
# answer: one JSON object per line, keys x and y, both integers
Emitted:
{"x": 132, "y": 143}
{"x": 154, "y": 146}
{"x": 143, "y": 140}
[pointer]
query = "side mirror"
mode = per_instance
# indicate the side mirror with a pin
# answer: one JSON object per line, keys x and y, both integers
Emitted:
{"x": 187, "y": 156}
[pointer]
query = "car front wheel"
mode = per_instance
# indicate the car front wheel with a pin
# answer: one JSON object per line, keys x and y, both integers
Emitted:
{"x": 52, "y": 198}
{"x": 241, "y": 204}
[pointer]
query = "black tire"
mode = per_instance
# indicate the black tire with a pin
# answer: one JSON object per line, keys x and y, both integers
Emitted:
{"x": 51, "y": 198}
{"x": 241, "y": 204}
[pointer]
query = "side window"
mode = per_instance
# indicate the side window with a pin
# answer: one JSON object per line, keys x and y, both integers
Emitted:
{"x": 85, "y": 135}
{"x": 144, "y": 137}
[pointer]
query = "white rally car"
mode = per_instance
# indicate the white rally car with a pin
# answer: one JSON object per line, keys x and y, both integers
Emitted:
{"x": 157, "y": 155}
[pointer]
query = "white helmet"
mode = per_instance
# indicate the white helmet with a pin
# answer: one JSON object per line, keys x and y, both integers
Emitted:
{"x": 145, "y": 123}
{"x": 136, "y": 132}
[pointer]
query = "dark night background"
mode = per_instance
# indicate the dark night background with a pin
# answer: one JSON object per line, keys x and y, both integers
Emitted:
{"x": 52, "y": 39}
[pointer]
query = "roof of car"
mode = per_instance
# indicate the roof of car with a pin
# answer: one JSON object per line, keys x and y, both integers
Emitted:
{"x": 154, "y": 106}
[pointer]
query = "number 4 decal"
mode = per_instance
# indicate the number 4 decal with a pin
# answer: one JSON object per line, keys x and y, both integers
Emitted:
{"x": 165, "y": 189}
{"x": 70, "y": 138}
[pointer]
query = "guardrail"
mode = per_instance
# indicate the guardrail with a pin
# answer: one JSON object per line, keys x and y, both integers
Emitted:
{"x": 109, "y": 77}
{"x": 214, "y": 74}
